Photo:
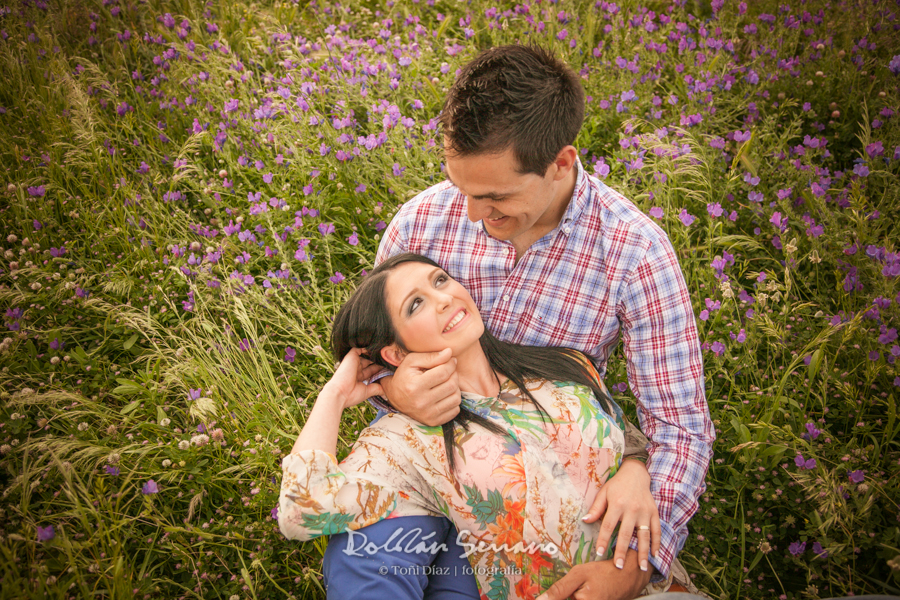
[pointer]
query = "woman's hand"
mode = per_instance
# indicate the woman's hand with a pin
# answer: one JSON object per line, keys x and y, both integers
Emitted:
{"x": 347, "y": 384}
{"x": 626, "y": 498}
{"x": 346, "y": 388}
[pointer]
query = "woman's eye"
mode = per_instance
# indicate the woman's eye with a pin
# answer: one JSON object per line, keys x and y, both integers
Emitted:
{"x": 440, "y": 279}
{"x": 414, "y": 304}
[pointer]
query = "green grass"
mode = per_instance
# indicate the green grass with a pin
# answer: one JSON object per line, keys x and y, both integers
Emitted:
{"x": 129, "y": 197}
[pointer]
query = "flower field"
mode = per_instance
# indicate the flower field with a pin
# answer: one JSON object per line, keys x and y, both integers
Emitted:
{"x": 189, "y": 190}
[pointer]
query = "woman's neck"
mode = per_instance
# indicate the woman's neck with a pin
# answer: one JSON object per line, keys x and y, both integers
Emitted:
{"x": 475, "y": 373}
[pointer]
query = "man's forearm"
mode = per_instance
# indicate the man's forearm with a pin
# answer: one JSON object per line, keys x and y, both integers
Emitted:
{"x": 677, "y": 498}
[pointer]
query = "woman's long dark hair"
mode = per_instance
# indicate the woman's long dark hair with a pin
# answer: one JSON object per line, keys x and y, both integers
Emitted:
{"x": 364, "y": 322}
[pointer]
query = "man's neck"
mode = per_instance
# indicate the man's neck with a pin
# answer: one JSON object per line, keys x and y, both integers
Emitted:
{"x": 552, "y": 219}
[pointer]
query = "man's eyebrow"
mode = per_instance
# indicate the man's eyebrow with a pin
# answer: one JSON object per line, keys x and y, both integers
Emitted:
{"x": 488, "y": 196}
{"x": 416, "y": 289}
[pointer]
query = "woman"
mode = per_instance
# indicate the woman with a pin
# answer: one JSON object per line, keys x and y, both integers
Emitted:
{"x": 536, "y": 437}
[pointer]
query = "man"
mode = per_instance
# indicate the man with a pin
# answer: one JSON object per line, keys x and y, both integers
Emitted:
{"x": 552, "y": 257}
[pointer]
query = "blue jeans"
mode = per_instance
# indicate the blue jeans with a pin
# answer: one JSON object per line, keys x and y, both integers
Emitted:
{"x": 392, "y": 569}
{"x": 395, "y": 570}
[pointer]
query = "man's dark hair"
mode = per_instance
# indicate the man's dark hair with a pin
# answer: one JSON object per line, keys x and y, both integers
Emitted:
{"x": 519, "y": 97}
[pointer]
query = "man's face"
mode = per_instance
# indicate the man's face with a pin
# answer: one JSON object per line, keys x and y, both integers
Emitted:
{"x": 510, "y": 203}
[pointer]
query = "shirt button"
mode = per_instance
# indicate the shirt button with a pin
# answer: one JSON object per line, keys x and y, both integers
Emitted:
{"x": 506, "y": 297}
{"x": 568, "y": 230}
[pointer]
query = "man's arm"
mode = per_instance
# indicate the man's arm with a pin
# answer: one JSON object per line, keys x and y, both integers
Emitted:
{"x": 665, "y": 370}
{"x": 394, "y": 241}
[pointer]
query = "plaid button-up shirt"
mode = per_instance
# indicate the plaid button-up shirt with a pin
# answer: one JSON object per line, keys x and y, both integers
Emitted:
{"x": 606, "y": 270}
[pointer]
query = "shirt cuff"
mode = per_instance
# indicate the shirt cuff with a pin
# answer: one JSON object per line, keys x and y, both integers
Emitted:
{"x": 670, "y": 544}
{"x": 380, "y": 402}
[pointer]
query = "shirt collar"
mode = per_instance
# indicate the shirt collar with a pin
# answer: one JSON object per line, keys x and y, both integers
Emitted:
{"x": 580, "y": 196}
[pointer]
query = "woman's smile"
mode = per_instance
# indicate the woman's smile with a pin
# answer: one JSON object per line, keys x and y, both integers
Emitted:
{"x": 457, "y": 318}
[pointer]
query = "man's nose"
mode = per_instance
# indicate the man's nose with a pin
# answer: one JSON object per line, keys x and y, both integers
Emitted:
{"x": 477, "y": 209}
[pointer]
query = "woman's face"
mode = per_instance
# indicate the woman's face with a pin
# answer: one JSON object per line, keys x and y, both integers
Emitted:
{"x": 431, "y": 311}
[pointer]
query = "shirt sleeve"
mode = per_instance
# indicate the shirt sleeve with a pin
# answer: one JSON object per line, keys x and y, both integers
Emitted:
{"x": 665, "y": 370}
{"x": 376, "y": 481}
{"x": 395, "y": 240}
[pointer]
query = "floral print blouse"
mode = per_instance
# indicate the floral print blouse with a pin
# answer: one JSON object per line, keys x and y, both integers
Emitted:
{"x": 516, "y": 499}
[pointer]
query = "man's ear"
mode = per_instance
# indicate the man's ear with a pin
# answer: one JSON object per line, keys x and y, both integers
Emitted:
{"x": 393, "y": 355}
{"x": 565, "y": 161}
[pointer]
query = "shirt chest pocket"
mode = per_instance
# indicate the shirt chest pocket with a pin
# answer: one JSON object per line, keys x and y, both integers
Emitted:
{"x": 553, "y": 328}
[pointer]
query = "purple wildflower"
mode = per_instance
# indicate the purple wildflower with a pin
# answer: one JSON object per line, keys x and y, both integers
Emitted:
{"x": 656, "y": 212}
{"x": 45, "y": 534}
{"x": 110, "y": 470}
{"x": 150, "y": 488}
{"x": 195, "y": 394}
{"x": 797, "y": 548}
{"x": 686, "y": 218}
{"x": 894, "y": 65}
{"x": 857, "y": 476}
{"x": 811, "y": 432}
{"x": 742, "y": 136}
{"x": 353, "y": 240}
{"x": 777, "y": 220}
{"x": 326, "y": 228}
{"x": 289, "y": 354}
{"x": 336, "y": 278}
{"x": 38, "y": 191}
{"x": 819, "y": 551}
{"x": 804, "y": 463}
{"x": 875, "y": 149}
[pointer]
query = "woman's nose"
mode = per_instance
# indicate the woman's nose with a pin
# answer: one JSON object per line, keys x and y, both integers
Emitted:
{"x": 444, "y": 301}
